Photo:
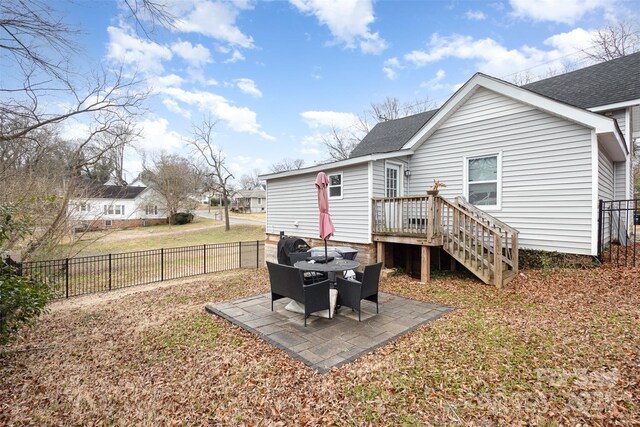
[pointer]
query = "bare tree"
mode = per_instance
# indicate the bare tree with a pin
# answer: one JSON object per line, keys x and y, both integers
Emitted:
{"x": 175, "y": 179}
{"x": 340, "y": 142}
{"x": 215, "y": 161}
{"x": 615, "y": 40}
{"x": 250, "y": 181}
{"x": 287, "y": 165}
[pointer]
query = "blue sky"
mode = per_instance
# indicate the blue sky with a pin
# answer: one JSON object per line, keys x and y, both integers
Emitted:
{"x": 277, "y": 74}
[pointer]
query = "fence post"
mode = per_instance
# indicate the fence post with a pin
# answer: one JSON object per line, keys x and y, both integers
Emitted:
{"x": 109, "y": 271}
{"x": 257, "y": 253}
{"x": 161, "y": 264}
{"x": 66, "y": 274}
{"x": 239, "y": 254}
{"x": 204, "y": 258}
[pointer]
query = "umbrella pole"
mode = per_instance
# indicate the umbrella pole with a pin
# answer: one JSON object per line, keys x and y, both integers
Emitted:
{"x": 325, "y": 251}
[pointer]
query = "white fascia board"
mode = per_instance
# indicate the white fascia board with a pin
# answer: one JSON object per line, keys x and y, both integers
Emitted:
{"x": 337, "y": 164}
{"x": 586, "y": 118}
{"x": 616, "y": 106}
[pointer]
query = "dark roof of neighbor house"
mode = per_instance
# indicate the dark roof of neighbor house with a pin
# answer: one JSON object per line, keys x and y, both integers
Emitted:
{"x": 601, "y": 84}
{"x": 97, "y": 190}
{"x": 391, "y": 135}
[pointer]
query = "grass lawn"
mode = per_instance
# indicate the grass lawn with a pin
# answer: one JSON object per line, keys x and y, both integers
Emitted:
{"x": 162, "y": 236}
{"x": 553, "y": 348}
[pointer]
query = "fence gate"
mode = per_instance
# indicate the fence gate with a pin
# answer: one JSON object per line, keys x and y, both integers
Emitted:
{"x": 618, "y": 228}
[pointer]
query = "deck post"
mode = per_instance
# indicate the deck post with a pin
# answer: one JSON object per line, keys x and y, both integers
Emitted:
{"x": 425, "y": 264}
{"x": 497, "y": 260}
{"x": 514, "y": 251}
{"x": 430, "y": 217}
{"x": 380, "y": 253}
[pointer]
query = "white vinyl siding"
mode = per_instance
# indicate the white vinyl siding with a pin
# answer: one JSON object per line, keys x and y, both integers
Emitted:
{"x": 619, "y": 174}
{"x": 546, "y": 168}
{"x": 295, "y": 199}
{"x": 605, "y": 187}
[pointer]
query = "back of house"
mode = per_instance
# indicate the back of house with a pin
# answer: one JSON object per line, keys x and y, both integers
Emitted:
{"x": 539, "y": 158}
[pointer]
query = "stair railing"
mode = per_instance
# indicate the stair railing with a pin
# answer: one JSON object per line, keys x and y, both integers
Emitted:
{"x": 480, "y": 242}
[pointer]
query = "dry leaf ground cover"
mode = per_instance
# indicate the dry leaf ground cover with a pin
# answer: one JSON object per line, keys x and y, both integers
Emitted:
{"x": 554, "y": 348}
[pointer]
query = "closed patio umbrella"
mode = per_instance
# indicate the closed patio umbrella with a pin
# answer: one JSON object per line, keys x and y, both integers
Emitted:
{"x": 326, "y": 226}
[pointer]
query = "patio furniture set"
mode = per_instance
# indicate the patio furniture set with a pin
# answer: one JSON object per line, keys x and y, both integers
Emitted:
{"x": 311, "y": 281}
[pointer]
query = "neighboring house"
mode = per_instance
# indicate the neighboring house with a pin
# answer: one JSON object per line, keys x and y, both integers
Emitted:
{"x": 249, "y": 201}
{"x": 113, "y": 206}
{"x": 537, "y": 158}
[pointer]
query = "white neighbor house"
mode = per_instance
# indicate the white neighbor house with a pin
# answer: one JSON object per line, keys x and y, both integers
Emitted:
{"x": 537, "y": 158}
{"x": 115, "y": 206}
{"x": 249, "y": 201}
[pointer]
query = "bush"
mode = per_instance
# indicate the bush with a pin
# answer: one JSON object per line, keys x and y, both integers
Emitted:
{"x": 182, "y": 218}
{"x": 22, "y": 300}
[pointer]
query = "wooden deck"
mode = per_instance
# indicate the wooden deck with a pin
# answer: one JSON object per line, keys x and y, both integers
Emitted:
{"x": 483, "y": 244}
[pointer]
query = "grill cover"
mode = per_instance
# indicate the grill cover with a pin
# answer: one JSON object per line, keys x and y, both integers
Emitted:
{"x": 286, "y": 245}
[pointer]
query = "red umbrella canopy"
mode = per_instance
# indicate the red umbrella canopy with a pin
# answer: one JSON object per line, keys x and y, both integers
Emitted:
{"x": 326, "y": 226}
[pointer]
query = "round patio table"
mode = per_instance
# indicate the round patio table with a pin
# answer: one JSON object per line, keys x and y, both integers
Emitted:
{"x": 328, "y": 267}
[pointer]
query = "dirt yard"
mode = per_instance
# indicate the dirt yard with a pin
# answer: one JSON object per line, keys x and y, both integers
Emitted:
{"x": 554, "y": 348}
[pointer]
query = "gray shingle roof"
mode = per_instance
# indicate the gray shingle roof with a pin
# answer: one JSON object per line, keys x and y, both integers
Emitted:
{"x": 97, "y": 190}
{"x": 606, "y": 83}
{"x": 391, "y": 135}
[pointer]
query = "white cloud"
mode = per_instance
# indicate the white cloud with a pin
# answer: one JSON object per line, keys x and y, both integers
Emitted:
{"x": 174, "y": 107}
{"x": 241, "y": 165}
{"x": 565, "y": 11}
{"x": 156, "y": 136}
{"x": 235, "y": 57}
{"x": 240, "y": 119}
{"x": 248, "y": 86}
{"x": 73, "y": 130}
{"x": 348, "y": 21}
{"x": 391, "y": 67}
{"x": 170, "y": 80}
{"x": 317, "y": 119}
{"x": 495, "y": 59}
{"x": 213, "y": 19}
{"x": 146, "y": 56}
{"x": 196, "y": 56}
{"x": 475, "y": 15}
{"x": 436, "y": 82}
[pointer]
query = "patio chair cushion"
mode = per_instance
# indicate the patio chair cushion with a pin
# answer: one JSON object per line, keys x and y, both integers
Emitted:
{"x": 296, "y": 307}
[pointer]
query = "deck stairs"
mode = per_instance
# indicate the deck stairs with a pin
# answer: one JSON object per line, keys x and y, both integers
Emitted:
{"x": 483, "y": 244}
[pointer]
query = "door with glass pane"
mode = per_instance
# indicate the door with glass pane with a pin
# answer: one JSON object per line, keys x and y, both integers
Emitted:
{"x": 392, "y": 188}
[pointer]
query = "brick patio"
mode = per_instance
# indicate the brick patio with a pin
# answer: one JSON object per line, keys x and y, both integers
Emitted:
{"x": 328, "y": 343}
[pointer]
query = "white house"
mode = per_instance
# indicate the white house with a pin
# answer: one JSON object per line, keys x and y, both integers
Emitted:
{"x": 249, "y": 201}
{"x": 113, "y": 206}
{"x": 537, "y": 158}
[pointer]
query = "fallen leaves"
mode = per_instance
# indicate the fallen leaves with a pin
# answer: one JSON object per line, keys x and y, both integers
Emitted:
{"x": 554, "y": 347}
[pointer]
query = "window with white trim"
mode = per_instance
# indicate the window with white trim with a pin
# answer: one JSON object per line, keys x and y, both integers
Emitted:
{"x": 335, "y": 186}
{"x": 392, "y": 180}
{"x": 483, "y": 180}
{"x": 151, "y": 210}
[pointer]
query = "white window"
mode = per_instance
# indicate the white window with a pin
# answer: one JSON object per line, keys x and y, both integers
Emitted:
{"x": 151, "y": 210}
{"x": 335, "y": 186}
{"x": 483, "y": 180}
{"x": 108, "y": 209}
{"x": 259, "y": 201}
{"x": 107, "y": 223}
{"x": 392, "y": 180}
{"x": 84, "y": 207}
{"x": 118, "y": 210}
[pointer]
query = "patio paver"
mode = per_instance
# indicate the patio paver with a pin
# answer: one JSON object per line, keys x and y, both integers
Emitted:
{"x": 328, "y": 343}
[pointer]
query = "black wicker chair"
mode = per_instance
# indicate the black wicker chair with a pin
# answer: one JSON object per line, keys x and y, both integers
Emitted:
{"x": 288, "y": 282}
{"x": 309, "y": 276}
{"x": 351, "y": 293}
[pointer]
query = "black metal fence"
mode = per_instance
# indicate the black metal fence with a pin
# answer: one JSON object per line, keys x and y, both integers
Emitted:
{"x": 618, "y": 228}
{"x": 83, "y": 275}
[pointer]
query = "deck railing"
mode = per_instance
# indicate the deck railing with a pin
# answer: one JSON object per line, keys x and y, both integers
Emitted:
{"x": 482, "y": 243}
{"x": 415, "y": 216}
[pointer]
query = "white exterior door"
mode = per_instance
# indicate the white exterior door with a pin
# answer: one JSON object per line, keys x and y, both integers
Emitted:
{"x": 392, "y": 188}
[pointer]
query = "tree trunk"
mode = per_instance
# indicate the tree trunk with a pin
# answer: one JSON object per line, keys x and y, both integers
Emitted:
{"x": 227, "y": 227}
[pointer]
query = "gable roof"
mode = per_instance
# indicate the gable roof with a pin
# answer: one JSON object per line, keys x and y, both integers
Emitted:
{"x": 391, "y": 135}
{"x": 257, "y": 193}
{"x": 607, "y": 83}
